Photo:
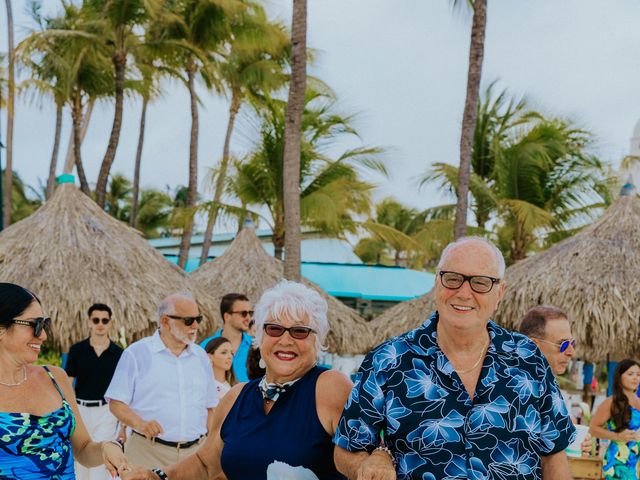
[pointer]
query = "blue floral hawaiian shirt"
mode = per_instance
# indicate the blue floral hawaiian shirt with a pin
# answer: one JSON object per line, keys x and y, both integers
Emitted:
{"x": 407, "y": 388}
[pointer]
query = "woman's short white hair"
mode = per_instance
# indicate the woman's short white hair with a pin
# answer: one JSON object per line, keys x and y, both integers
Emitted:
{"x": 293, "y": 300}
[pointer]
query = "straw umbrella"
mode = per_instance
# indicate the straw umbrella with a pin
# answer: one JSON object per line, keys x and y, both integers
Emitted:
{"x": 402, "y": 317}
{"x": 72, "y": 254}
{"x": 594, "y": 276}
{"x": 247, "y": 268}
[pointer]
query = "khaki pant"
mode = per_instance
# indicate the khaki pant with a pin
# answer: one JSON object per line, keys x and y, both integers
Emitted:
{"x": 144, "y": 453}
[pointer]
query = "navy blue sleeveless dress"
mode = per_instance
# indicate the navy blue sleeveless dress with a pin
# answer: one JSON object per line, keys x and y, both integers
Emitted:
{"x": 290, "y": 433}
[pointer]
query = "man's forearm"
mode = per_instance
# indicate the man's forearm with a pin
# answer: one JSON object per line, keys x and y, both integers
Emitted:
{"x": 123, "y": 412}
{"x": 347, "y": 462}
{"x": 556, "y": 467}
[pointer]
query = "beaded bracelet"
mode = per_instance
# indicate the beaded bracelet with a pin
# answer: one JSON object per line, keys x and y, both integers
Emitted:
{"x": 384, "y": 448}
{"x": 160, "y": 473}
{"x": 115, "y": 442}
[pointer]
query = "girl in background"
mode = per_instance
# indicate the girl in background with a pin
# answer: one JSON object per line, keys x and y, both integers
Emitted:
{"x": 618, "y": 419}
{"x": 221, "y": 356}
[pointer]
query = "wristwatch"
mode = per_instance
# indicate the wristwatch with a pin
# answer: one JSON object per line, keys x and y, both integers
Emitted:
{"x": 160, "y": 473}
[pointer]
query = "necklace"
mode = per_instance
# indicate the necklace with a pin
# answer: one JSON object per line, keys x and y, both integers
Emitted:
{"x": 475, "y": 365}
{"x": 24, "y": 379}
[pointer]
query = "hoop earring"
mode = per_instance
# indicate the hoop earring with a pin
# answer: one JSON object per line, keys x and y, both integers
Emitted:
{"x": 261, "y": 364}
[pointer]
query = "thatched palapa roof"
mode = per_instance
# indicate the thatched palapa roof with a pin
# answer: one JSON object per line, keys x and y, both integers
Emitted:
{"x": 594, "y": 276}
{"x": 402, "y": 317}
{"x": 245, "y": 267}
{"x": 72, "y": 254}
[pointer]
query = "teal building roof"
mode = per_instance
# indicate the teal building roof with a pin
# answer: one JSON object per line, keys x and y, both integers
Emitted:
{"x": 368, "y": 282}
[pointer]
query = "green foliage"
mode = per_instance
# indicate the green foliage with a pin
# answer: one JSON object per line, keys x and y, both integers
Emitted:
{"x": 533, "y": 178}
{"x": 332, "y": 191}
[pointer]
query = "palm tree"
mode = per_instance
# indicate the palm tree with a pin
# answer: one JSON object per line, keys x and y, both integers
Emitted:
{"x": 253, "y": 67}
{"x": 148, "y": 89}
{"x": 118, "y": 201}
{"x": 332, "y": 192}
{"x": 533, "y": 178}
{"x": 119, "y": 31}
{"x": 67, "y": 43}
{"x": 476, "y": 56}
{"x": 154, "y": 212}
{"x": 48, "y": 77}
{"x": 292, "y": 140}
{"x": 11, "y": 87}
{"x": 195, "y": 35}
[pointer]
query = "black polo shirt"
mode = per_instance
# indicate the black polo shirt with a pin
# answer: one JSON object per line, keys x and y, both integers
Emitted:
{"x": 93, "y": 374}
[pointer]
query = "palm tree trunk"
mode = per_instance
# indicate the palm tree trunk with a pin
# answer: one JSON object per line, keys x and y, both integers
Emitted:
{"x": 70, "y": 160}
{"x": 76, "y": 116}
{"x": 51, "y": 180}
{"x": 278, "y": 238}
{"x": 192, "y": 190}
{"x": 224, "y": 165}
{"x": 119, "y": 62}
{"x": 136, "y": 170}
{"x": 8, "y": 178}
{"x": 476, "y": 56}
{"x": 291, "y": 162}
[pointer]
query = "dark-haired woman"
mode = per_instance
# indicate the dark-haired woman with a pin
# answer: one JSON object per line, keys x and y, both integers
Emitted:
{"x": 221, "y": 358}
{"x": 618, "y": 419}
{"x": 40, "y": 428}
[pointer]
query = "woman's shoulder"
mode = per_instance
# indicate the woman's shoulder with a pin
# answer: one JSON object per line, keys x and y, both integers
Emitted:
{"x": 333, "y": 385}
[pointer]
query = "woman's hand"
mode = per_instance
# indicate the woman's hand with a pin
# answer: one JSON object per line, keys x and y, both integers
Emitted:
{"x": 139, "y": 473}
{"x": 587, "y": 445}
{"x": 114, "y": 459}
{"x": 378, "y": 466}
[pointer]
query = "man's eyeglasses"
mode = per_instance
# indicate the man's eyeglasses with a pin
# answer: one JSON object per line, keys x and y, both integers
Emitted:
{"x": 188, "y": 321}
{"x": 96, "y": 320}
{"x": 478, "y": 283}
{"x": 244, "y": 313}
{"x": 36, "y": 323}
{"x": 299, "y": 333}
{"x": 563, "y": 346}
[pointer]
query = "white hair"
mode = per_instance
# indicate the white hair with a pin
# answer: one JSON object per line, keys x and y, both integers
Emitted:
{"x": 463, "y": 240}
{"x": 293, "y": 300}
{"x": 167, "y": 305}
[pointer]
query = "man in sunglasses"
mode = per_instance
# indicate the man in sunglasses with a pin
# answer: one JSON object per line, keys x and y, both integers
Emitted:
{"x": 459, "y": 396}
{"x": 550, "y": 330}
{"x": 237, "y": 315}
{"x": 91, "y": 363}
{"x": 163, "y": 388}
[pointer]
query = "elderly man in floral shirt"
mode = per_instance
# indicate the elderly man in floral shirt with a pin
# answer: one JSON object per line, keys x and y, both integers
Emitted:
{"x": 459, "y": 397}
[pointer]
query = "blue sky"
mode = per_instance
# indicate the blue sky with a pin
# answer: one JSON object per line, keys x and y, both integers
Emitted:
{"x": 401, "y": 65}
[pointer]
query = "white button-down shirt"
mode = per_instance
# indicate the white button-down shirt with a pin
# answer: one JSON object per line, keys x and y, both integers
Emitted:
{"x": 174, "y": 391}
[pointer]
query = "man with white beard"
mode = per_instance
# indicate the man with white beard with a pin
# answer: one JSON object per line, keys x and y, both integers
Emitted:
{"x": 163, "y": 388}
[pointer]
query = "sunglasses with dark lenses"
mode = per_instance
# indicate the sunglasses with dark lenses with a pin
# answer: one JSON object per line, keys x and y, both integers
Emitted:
{"x": 478, "y": 283}
{"x": 299, "y": 333}
{"x": 563, "y": 346}
{"x": 38, "y": 324}
{"x": 188, "y": 321}
{"x": 244, "y": 313}
{"x": 96, "y": 321}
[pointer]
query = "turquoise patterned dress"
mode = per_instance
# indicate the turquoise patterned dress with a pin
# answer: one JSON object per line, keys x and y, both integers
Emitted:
{"x": 34, "y": 447}
{"x": 621, "y": 458}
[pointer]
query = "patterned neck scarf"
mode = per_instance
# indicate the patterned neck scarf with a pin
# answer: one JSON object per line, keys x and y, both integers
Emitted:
{"x": 273, "y": 391}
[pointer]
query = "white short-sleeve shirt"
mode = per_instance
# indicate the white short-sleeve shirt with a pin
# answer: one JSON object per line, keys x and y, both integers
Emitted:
{"x": 174, "y": 391}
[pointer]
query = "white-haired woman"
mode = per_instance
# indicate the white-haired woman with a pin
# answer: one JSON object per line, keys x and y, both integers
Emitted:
{"x": 287, "y": 416}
